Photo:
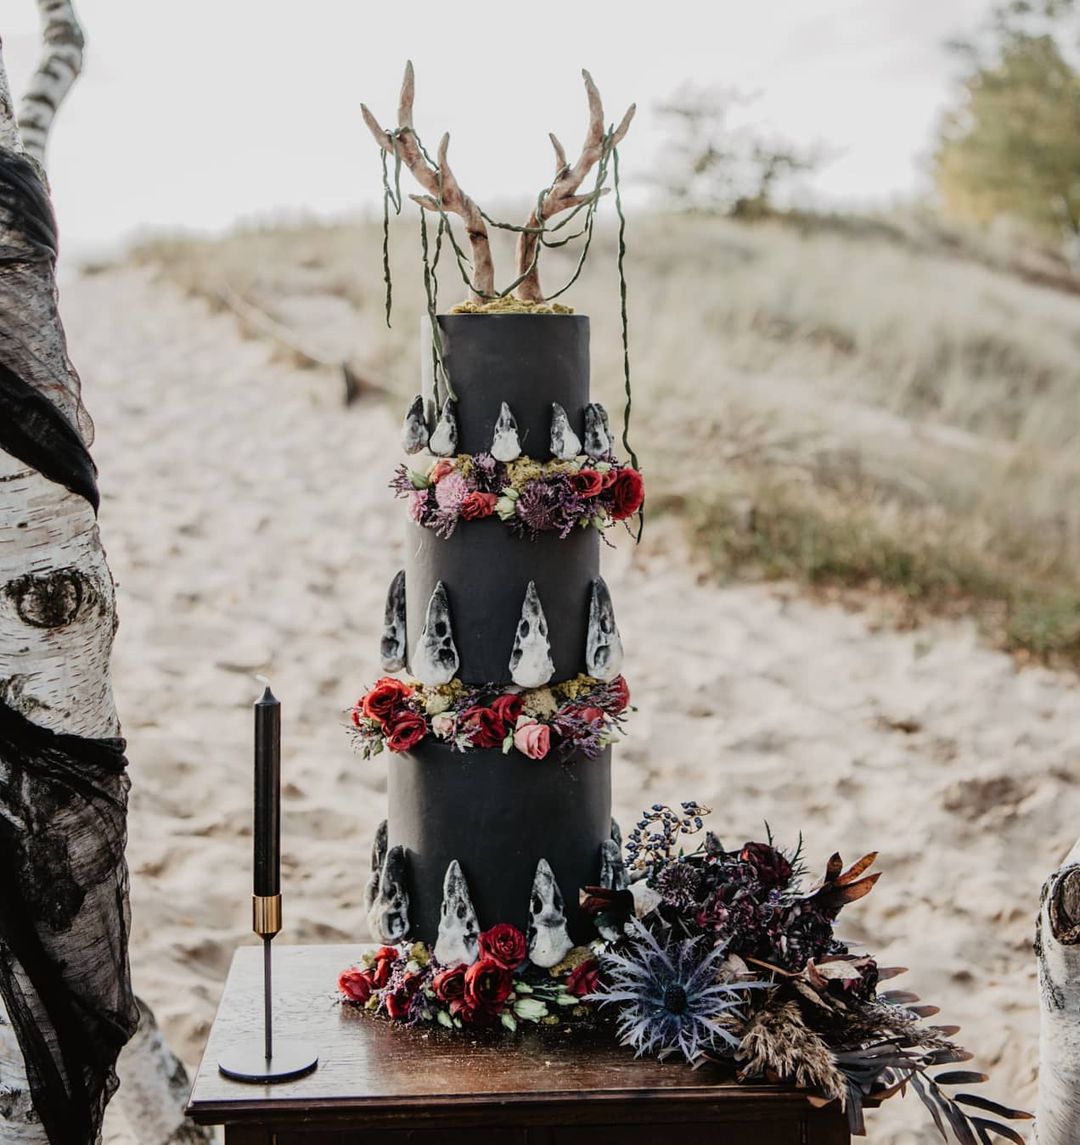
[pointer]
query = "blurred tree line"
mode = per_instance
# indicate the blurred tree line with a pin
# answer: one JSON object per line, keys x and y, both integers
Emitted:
{"x": 1011, "y": 145}
{"x": 716, "y": 165}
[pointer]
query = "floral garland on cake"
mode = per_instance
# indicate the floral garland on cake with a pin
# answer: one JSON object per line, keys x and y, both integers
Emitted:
{"x": 532, "y": 497}
{"x": 501, "y": 988}
{"x": 711, "y": 955}
{"x": 578, "y": 715}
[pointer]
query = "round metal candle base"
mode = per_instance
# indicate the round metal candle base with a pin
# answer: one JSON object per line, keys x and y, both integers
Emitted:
{"x": 248, "y": 1062}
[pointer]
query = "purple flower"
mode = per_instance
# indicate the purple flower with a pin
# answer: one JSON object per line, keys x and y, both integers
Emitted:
{"x": 488, "y": 474}
{"x": 537, "y": 506}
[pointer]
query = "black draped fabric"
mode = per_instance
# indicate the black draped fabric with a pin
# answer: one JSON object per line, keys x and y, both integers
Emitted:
{"x": 31, "y": 427}
{"x": 64, "y": 918}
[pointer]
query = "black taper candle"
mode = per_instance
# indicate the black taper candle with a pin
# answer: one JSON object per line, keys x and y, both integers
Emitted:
{"x": 267, "y": 794}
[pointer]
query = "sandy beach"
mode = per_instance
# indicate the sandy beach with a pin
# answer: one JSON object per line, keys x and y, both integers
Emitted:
{"x": 247, "y": 521}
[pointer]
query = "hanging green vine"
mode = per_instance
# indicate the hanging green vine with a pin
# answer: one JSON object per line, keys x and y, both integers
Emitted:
{"x": 391, "y": 198}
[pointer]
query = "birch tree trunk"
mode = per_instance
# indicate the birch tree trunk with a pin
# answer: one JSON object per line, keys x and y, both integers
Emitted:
{"x": 1057, "y": 1119}
{"x": 66, "y": 1005}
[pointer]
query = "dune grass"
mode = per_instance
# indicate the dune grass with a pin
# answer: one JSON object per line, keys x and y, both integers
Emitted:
{"x": 834, "y": 407}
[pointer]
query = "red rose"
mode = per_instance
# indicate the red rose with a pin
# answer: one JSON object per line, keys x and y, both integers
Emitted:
{"x": 627, "y": 493}
{"x": 439, "y": 470}
{"x": 356, "y": 984}
{"x": 382, "y": 966}
{"x": 590, "y": 715}
{"x": 504, "y": 945}
{"x": 449, "y": 985}
{"x": 587, "y": 482}
{"x": 583, "y": 979}
{"x": 387, "y": 695}
{"x": 771, "y": 866}
{"x": 399, "y": 1001}
{"x": 406, "y": 732}
{"x": 507, "y": 708}
{"x": 619, "y": 690}
{"x": 487, "y": 985}
{"x": 610, "y": 476}
{"x": 483, "y": 727}
{"x": 474, "y": 1013}
{"x": 477, "y": 505}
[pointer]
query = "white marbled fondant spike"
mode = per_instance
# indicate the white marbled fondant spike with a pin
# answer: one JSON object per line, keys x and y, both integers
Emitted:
{"x": 598, "y": 441}
{"x": 603, "y": 644}
{"x": 505, "y": 445}
{"x": 388, "y": 915}
{"x": 435, "y": 658}
{"x": 549, "y": 940}
{"x": 414, "y": 429}
{"x": 459, "y": 930}
{"x": 392, "y": 647}
{"x": 531, "y": 665}
{"x": 565, "y": 443}
{"x": 444, "y": 438}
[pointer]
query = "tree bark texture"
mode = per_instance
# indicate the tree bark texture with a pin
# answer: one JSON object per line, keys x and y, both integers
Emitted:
{"x": 61, "y": 62}
{"x": 66, "y": 1006}
{"x": 1057, "y": 1118}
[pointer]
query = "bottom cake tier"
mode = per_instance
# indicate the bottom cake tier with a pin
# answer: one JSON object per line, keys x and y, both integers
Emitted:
{"x": 502, "y": 818}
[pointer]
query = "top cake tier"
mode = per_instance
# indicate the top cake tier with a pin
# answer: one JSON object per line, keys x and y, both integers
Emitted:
{"x": 525, "y": 360}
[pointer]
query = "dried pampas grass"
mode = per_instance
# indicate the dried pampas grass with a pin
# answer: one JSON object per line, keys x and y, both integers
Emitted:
{"x": 778, "y": 1043}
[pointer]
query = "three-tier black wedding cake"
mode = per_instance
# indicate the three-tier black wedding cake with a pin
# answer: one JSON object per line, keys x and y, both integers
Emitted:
{"x": 500, "y": 777}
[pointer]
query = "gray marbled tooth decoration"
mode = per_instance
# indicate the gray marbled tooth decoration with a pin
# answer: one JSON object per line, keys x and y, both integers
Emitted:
{"x": 603, "y": 644}
{"x": 392, "y": 647}
{"x": 435, "y": 658}
{"x": 459, "y": 929}
{"x": 549, "y": 940}
{"x": 565, "y": 443}
{"x": 414, "y": 429}
{"x": 531, "y": 665}
{"x": 444, "y": 439}
{"x": 388, "y": 915}
{"x": 598, "y": 441}
{"x": 378, "y": 857}
{"x": 505, "y": 445}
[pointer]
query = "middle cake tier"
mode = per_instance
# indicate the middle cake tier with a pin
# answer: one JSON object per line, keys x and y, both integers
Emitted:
{"x": 498, "y": 815}
{"x": 486, "y": 574}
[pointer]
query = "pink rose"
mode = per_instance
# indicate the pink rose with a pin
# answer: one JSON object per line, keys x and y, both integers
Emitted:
{"x": 533, "y": 739}
{"x": 439, "y": 470}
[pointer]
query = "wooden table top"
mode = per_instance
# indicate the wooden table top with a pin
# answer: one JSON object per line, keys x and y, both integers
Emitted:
{"x": 367, "y": 1065}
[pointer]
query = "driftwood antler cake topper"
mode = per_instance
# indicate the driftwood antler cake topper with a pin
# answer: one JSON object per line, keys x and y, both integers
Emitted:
{"x": 443, "y": 194}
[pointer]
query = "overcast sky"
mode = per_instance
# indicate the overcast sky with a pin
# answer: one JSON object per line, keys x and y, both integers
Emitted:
{"x": 199, "y": 113}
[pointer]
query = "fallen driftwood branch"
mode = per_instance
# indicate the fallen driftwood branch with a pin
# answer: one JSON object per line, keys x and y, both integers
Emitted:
{"x": 255, "y": 322}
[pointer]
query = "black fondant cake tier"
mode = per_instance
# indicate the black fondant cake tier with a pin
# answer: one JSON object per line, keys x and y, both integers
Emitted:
{"x": 486, "y": 572}
{"x": 525, "y": 360}
{"x": 498, "y": 815}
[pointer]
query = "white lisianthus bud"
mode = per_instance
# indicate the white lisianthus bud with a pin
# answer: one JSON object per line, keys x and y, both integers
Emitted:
{"x": 530, "y": 1009}
{"x": 443, "y": 725}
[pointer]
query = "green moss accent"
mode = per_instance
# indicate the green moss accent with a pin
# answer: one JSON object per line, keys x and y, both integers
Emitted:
{"x": 511, "y": 305}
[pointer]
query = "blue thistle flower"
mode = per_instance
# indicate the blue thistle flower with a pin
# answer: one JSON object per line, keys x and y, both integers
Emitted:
{"x": 669, "y": 998}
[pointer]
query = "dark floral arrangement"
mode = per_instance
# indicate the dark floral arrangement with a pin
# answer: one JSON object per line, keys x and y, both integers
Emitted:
{"x": 579, "y": 715}
{"x": 532, "y": 497}
{"x": 714, "y": 955}
{"x": 501, "y": 988}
